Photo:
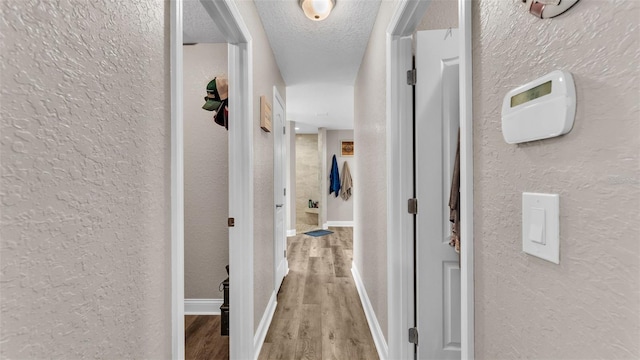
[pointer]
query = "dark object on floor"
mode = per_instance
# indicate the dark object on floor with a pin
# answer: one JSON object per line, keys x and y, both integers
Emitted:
{"x": 317, "y": 233}
{"x": 224, "y": 309}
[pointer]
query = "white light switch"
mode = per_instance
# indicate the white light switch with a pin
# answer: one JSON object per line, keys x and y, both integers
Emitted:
{"x": 541, "y": 225}
{"x": 536, "y": 226}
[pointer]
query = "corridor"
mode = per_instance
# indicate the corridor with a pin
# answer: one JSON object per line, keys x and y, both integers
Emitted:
{"x": 319, "y": 314}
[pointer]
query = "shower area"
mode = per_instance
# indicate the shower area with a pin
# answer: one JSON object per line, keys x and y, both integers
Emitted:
{"x": 308, "y": 183}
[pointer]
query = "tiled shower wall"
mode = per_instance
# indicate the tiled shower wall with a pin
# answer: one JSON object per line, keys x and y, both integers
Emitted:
{"x": 307, "y": 172}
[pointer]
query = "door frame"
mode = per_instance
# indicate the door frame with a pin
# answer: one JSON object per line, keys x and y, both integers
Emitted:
{"x": 400, "y": 229}
{"x": 227, "y": 18}
{"x": 278, "y": 98}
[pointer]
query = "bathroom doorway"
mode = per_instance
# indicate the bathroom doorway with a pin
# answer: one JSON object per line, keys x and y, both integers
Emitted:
{"x": 321, "y": 204}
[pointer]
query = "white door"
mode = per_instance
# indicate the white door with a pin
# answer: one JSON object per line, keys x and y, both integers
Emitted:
{"x": 279, "y": 156}
{"x": 437, "y": 119}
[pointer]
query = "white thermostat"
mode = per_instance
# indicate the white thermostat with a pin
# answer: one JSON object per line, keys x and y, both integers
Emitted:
{"x": 541, "y": 109}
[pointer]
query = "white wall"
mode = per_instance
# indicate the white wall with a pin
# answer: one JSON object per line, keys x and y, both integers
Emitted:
{"x": 206, "y": 177}
{"x": 339, "y": 210}
{"x": 85, "y": 242}
{"x": 370, "y": 208}
{"x": 266, "y": 75}
{"x": 588, "y": 306}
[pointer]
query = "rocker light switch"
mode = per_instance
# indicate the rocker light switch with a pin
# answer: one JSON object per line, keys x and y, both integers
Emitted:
{"x": 536, "y": 226}
{"x": 541, "y": 226}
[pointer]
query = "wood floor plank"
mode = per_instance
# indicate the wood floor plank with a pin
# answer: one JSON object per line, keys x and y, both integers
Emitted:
{"x": 314, "y": 247}
{"x": 203, "y": 339}
{"x": 322, "y": 265}
{"x": 341, "y": 263}
{"x": 309, "y": 345}
{"x": 313, "y": 288}
{"x": 283, "y": 350}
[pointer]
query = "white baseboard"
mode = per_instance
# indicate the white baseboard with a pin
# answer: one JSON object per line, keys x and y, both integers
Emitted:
{"x": 374, "y": 326}
{"x": 202, "y": 306}
{"x": 265, "y": 322}
{"x": 339, "y": 223}
{"x": 325, "y": 226}
{"x": 291, "y": 232}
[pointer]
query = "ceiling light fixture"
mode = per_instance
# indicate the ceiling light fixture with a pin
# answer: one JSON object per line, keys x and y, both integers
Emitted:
{"x": 317, "y": 10}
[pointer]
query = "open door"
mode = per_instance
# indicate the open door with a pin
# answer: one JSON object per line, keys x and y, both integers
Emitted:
{"x": 279, "y": 158}
{"x": 437, "y": 108}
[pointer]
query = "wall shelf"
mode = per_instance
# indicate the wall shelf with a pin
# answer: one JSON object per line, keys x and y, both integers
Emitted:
{"x": 312, "y": 210}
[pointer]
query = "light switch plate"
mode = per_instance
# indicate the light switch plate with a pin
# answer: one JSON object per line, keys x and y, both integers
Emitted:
{"x": 541, "y": 226}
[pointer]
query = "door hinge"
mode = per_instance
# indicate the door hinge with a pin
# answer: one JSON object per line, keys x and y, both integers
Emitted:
{"x": 413, "y": 206}
{"x": 285, "y": 191}
{"x": 284, "y": 130}
{"x": 285, "y": 253}
{"x": 231, "y": 222}
{"x": 412, "y": 77}
{"x": 413, "y": 336}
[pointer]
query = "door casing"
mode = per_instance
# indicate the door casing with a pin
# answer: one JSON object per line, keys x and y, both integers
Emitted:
{"x": 400, "y": 178}
{"x": 226, "y": 16}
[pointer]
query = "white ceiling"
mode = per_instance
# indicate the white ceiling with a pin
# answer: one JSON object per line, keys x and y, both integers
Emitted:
{"x": 319, "y": 60}
{"x": 320, "y": 105}
{"x": 198, "y": 27}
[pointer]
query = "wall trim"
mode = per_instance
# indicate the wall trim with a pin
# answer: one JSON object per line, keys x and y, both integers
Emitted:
{"x": 177, "y": 183}
{"x": 291, "y": 232}
{"x": 339, "y": 224}
{"x": 265, "y": 322}
{"x": 202, "y": 306}
{"x": 374, "y": 326}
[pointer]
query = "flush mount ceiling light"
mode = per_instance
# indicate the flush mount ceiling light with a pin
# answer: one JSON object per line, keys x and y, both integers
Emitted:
{"x": 317, "y": 10}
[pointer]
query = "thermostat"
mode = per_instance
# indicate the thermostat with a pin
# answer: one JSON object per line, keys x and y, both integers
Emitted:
{"x": 541, "y": 109}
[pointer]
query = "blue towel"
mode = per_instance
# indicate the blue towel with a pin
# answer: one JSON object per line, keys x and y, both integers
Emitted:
{"x": 334, "y": 178}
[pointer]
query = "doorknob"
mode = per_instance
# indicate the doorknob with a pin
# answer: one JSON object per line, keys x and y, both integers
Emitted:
{"x": 279, "y": 205}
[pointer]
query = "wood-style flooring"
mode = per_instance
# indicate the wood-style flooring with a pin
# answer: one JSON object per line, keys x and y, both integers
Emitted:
{"x": 203, "y": 339}
{"x": 319, "y": 313}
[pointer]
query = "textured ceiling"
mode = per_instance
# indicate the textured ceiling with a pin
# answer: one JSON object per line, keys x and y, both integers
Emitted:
{"x": 198, "y": 26}
{"x": 319, "y": 60}
{"x": 328, "y": 51}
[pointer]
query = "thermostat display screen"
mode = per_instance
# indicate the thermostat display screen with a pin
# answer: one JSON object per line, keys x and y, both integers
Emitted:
{"x": 531, "y": 94}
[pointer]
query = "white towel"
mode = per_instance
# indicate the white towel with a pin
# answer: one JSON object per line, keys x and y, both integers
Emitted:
{"x": 346, "y": 184}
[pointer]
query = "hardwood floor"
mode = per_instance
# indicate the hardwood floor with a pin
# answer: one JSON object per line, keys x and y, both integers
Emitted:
{"x": 203, "y": 339}
{"x": 319, "y": 314}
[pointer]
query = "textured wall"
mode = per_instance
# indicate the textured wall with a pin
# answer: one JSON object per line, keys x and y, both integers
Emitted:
{"x": 337, "y": 208}
{"x": 85, "y": 235}
{"x": 440, "y": 14}
{"x": 206, "y": 177}
{"x": 587, "y": 307}
{"x": 370, "y": 215}
{"x": 266, "y": 75}
{"x": 307, "y": 171}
